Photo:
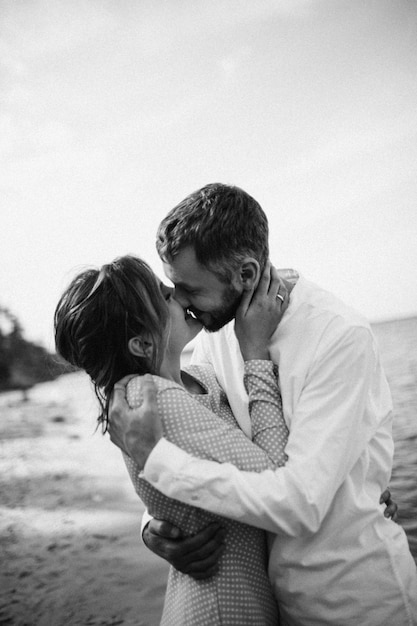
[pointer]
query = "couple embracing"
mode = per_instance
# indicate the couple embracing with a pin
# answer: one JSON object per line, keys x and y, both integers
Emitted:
{"x": 263, "y": 463}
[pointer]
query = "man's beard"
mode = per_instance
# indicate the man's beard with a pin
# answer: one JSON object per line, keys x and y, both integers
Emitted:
{"x": 216, "y": 319}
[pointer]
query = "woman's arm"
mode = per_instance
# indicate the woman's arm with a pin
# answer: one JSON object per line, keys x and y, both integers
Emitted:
{"x": 259, "y": 313}
{"x": 197, "y": 430}
{"x": 269, "y": 430}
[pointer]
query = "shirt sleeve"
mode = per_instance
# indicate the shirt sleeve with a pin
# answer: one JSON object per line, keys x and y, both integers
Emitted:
{"x": 333, "y": 421}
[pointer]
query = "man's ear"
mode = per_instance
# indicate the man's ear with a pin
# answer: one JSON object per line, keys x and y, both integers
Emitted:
{"x": 250, "y": 273}
{"x": 140, "y": 346}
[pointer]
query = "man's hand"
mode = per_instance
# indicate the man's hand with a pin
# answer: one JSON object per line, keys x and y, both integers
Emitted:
{"x": 197, "y": 556}
{"x": 391, "y": 506}
{"x": 136, "y": 431}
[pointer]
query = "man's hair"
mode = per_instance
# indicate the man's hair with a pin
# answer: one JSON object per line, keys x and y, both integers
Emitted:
{"x": 97, "y": 315}
{"x": 223, "y": 223}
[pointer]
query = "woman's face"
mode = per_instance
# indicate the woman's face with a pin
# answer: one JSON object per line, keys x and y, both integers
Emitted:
{"x": 183, "y": 326}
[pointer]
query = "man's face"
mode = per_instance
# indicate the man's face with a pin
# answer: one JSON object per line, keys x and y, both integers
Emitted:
{"x": 199, "y": 290}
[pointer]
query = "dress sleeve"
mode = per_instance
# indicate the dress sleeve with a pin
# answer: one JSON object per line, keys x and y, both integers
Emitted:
{"x": 269, "y": 430}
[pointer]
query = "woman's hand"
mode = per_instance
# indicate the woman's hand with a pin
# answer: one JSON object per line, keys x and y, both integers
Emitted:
{"x": 135, "y": 431}
{"x": 391, "y": 510}
{"x": 259, "y": 313}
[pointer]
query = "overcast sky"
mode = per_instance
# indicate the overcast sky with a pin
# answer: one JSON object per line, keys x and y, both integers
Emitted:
{"x": 114, "y": 110}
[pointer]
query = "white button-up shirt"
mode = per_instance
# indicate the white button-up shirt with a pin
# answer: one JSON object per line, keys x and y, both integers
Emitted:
{"x": 334, "y": 558}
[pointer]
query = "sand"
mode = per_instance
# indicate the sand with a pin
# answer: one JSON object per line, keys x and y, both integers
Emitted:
{"x": 70, "y": 547}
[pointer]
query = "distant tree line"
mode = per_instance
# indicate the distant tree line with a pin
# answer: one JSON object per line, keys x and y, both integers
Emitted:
{"x": 23, "y": 363}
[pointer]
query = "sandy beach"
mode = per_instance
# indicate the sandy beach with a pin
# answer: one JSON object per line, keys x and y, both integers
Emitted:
{"x": 69, "y": 518}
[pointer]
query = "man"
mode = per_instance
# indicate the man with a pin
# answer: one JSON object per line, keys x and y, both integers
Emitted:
{"x": 334, "y": 558}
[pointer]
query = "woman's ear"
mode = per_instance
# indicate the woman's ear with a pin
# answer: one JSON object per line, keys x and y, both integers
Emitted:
{"x": 250, "y": 272}
{"x": 139, "y": 346}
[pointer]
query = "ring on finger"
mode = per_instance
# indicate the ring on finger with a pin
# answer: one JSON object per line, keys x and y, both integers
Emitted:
{"x": 279, "y": 297}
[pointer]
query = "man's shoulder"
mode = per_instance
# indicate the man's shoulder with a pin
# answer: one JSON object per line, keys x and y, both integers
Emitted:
{"x": 322, "y": 307}
{"x": 316, "y": 320}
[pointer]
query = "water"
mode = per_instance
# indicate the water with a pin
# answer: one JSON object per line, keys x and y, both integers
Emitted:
{"x": 398, "y": 345}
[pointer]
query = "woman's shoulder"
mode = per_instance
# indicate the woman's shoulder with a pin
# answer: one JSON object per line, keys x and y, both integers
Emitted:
{"x": 134, "y": 388}
{"x": 205, "y": 375}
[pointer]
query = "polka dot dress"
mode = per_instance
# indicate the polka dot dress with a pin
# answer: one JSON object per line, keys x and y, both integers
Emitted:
{"x": 240, "y": 593}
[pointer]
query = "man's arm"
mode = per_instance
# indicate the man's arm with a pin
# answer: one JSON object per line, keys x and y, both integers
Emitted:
{"x": 329, "y": 433}
{"x": 159, "y": 546}
{"x": 171, "y": 451}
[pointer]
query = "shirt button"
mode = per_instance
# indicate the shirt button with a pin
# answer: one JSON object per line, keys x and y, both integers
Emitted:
{"x": 194, "y": 497}
{"x": 154, "y": 478}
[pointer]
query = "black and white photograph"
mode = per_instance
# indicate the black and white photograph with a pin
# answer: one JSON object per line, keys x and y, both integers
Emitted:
{"x": 208, "y": 312}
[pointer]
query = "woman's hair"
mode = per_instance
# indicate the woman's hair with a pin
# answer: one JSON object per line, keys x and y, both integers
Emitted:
{"x": 223, "y": 223}
{"x": 97, "y": 315}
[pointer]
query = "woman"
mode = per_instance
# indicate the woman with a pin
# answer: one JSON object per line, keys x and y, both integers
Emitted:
{"x": 121, "y": 320}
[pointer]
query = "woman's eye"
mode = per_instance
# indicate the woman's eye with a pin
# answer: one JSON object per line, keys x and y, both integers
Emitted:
{"x": 166, "y": 292}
